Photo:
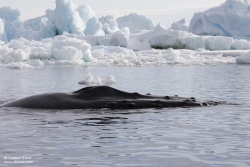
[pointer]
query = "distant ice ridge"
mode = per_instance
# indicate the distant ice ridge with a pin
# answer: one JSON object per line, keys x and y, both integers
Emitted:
{"x": 162, "y": 38}
{"x": 72, "y": 35}
{"x": 122, "y": 49}
{"x": 71, "y": 49}
{"x": 66, "y": 17}
{"x": 229, "y": 19}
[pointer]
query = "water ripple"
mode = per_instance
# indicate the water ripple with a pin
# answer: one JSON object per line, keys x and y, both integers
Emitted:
{"x": 210, "y": 136}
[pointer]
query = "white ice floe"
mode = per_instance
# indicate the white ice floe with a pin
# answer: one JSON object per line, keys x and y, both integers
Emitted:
{"x": 64, "y": 48}
{"x": 99, "y": 81}
{"x": 109, "y": 80}
{"x": 17, "y": 65}
{"x": 137, "y": 45}
{"x": 89, "y": 80}
{"x": 113, "y": 56}
{"x": 124, "y": 49}
{"x": 229, "y": 19}
{"x": 244, "y": 58}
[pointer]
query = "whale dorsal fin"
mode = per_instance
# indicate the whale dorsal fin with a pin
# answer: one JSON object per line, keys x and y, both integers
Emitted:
{"x": 104, "y": 92}
{"x": 83, "y": 89}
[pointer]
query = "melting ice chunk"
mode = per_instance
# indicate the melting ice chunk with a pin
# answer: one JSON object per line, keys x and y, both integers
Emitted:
{"x": 244, "y": 58}
{"x": 89, "y": 80}
{"x": 109, "y": 80}
{"x": 98, "y": 81}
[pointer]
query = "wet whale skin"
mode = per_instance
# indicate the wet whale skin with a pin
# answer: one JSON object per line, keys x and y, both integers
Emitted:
{"x": 98, "y": 97}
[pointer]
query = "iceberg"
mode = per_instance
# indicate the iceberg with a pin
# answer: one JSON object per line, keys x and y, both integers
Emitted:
{"x": 94, "y": 27}
{"x": 11, "y": 21}
{"x": 180, "y": 25}
{"x": 13, "y": 26}
{"x": 66, "y": 17}
{"x": 3, "y": 36}
{"x": 109, "y": 24}
{"x": 73, "y": 35}
{"x": 231, "y": 19}
{"x": 34, "y": 24}
{"x": 123, "y": 49}
{"x": 69, "y": 18}
{"x": 135, "y": 22}
{"x": 163, "y": 38}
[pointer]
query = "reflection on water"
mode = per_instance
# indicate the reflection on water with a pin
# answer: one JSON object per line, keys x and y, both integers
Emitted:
{"x": 203, "y": 137}
{"x": 200, "y": 136}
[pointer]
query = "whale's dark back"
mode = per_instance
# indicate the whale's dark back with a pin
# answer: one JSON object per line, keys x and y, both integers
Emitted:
{"x": 98, "y": 97}
{"x": 104, "y": 92}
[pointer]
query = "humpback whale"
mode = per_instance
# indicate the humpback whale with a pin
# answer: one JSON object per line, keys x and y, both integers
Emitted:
{"x": 99, "y": 97}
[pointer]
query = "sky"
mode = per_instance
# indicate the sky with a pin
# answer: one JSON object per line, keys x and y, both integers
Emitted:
{"x": 165, "y": 11}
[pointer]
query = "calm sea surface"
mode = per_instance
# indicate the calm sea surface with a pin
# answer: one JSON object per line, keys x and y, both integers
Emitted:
{"x": 176, "y": 137}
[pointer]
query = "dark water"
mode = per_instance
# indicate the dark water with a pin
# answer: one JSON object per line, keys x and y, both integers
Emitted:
{"x": 177, "y": 137}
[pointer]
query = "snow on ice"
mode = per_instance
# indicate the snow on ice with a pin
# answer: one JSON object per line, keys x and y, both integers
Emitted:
{"x": 73, "y": 35}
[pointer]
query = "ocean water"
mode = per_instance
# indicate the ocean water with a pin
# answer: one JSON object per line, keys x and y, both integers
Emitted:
{"x": 175, "y": 137}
